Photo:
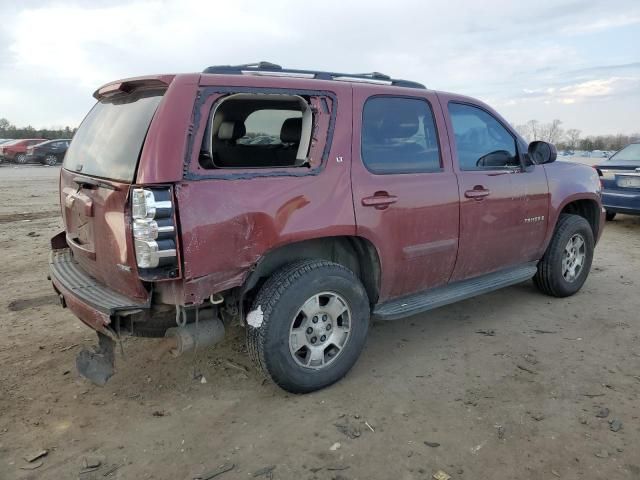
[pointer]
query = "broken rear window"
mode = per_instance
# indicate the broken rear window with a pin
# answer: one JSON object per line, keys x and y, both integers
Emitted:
{"x": 258, "y": 131}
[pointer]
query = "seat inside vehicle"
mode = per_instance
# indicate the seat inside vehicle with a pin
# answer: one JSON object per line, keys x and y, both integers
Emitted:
{"x": 258, "y": 131}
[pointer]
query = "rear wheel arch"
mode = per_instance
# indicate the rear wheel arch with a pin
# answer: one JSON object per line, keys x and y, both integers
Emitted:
{"x": 355, "y": 253}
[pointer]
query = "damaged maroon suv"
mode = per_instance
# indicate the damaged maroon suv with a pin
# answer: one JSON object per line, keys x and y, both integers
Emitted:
{"x": 302, "y": 205}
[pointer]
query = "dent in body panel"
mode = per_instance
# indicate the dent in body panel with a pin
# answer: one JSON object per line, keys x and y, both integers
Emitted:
{"x": 227, "y": 226}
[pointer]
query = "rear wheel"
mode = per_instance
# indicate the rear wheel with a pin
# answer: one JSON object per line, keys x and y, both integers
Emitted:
{"x": 567, "y": 261}
{"x": 21, "y": 158}
{"x": 308, "y": 325}
{"x": 610, "y": 215}
{"x": 50, "y": 160}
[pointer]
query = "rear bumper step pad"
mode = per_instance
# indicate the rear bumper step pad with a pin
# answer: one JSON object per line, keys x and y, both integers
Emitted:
{"x": 67, "y": 273}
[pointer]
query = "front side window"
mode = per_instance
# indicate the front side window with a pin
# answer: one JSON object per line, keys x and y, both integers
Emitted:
{"x": 481, "y": 141}
{"x": 399, "y": 136}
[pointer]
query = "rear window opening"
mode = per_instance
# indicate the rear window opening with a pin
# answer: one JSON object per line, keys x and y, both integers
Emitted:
{"x": 258, "y": 131}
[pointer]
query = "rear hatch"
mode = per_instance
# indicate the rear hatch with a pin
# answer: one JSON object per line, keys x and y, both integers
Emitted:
{"x": 98, "y": 170}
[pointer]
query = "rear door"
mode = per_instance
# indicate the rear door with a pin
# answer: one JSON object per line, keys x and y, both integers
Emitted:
{"x": 98, "y": 169}
{"x": 405, "y": 191}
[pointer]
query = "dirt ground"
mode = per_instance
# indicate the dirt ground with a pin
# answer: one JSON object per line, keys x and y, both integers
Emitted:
{"x": 519, "y": 401}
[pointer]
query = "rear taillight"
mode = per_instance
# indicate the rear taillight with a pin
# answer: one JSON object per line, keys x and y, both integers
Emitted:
{"x": 153, "y": 228}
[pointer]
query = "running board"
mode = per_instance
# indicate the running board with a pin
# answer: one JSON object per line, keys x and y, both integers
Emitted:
{"x": 437, "y": 297}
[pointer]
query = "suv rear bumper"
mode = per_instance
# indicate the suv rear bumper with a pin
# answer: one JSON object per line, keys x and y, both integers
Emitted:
{"x": 90, "y": 301}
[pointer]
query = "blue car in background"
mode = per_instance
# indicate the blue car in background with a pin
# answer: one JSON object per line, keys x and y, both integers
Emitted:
{"x": 620, "y": 177}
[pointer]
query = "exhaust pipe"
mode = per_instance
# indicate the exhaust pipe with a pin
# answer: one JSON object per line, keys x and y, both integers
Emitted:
{"x": 205, "y": 333}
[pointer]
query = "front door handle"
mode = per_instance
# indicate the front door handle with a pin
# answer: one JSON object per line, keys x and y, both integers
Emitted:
{"x": 379, "y": 200}
{"x": 478, "y": 192}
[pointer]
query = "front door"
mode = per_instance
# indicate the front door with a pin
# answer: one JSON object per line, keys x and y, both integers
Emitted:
{"x": 405, "y": 191}
{"x": 502, "y": 204}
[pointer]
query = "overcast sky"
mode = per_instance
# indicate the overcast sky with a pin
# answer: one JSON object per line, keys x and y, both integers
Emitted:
{"x": 578, "y": 61}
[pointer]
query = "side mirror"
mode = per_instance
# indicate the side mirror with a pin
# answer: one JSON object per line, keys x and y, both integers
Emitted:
{"x": 542, "y": 152}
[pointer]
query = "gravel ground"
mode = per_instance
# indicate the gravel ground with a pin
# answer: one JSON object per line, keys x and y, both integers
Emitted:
{"x": 530, "y": 398}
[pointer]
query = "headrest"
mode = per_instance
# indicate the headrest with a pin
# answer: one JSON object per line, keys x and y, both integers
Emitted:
{"x": 231, "y": 130}
{"x": 291, "y": 130}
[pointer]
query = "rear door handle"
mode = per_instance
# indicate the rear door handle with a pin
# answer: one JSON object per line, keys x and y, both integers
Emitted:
{"x": 379, "y": 200}
{"x": 478, "y": 192}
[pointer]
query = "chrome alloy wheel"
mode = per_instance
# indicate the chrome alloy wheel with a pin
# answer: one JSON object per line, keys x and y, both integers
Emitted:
{"x": 573, "y": 258}
{"x": 320, "y": 330}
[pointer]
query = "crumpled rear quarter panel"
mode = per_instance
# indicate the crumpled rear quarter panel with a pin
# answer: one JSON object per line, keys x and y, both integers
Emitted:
{"x": 227, "y": 225}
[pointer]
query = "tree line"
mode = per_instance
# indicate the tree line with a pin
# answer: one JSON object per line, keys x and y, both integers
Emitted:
{"x": 9, "y": 130}
{"x": 572, "y": 138}
{"x": 553, "y": 132}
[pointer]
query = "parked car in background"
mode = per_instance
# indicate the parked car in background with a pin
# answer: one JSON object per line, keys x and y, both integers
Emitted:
{"x": 620, "y": 178}
{"x": 5, "y": 140}
{"x": 3, "y": 146}
{"x": 49, "y": 153}
{"x": 17, "y": 150}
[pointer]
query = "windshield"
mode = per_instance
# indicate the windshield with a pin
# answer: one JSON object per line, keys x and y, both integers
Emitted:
{"x": 630, "y": 153}
{"x": 109, "y": 141}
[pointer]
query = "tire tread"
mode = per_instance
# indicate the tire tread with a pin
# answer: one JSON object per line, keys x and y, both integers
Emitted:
{"x": 267, "y": 298}
{"x": 546, "y": 276}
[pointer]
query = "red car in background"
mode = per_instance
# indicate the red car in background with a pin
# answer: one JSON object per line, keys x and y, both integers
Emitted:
{"x": 17, "y": 150}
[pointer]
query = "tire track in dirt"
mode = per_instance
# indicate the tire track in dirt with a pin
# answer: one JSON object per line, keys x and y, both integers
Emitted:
{"x": 21, "y": 217}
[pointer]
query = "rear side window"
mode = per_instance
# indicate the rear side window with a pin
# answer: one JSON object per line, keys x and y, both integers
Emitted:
{"x": 109, "y": 140}
{"x": 399, "y": 136}
{"x": 258, "y": 131}
{"x": 263, "y": 127}
{"x": 481, "y": 141}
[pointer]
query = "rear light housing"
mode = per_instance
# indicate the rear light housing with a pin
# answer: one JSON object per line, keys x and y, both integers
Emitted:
{"x": 153, "y": 229}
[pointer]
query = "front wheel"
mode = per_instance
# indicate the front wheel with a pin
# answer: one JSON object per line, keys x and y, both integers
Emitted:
{"x": 308, "y": 325}
{"x": 50, "y": 160}
{"x": 610, "y": 215}
{"x": 21, "y": 158}
{"x": 566, "y": 263}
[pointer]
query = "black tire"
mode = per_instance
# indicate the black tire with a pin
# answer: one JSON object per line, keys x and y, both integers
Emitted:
{"x": 610, "y": 215}
{"x": 50, "y": 160}
{"x": 549, "y": 278}
{"x": 279, "y": 300}
{"x": 21, "y": 158}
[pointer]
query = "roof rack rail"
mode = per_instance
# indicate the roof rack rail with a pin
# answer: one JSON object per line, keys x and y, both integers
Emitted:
{"x": 272, "y": 69}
